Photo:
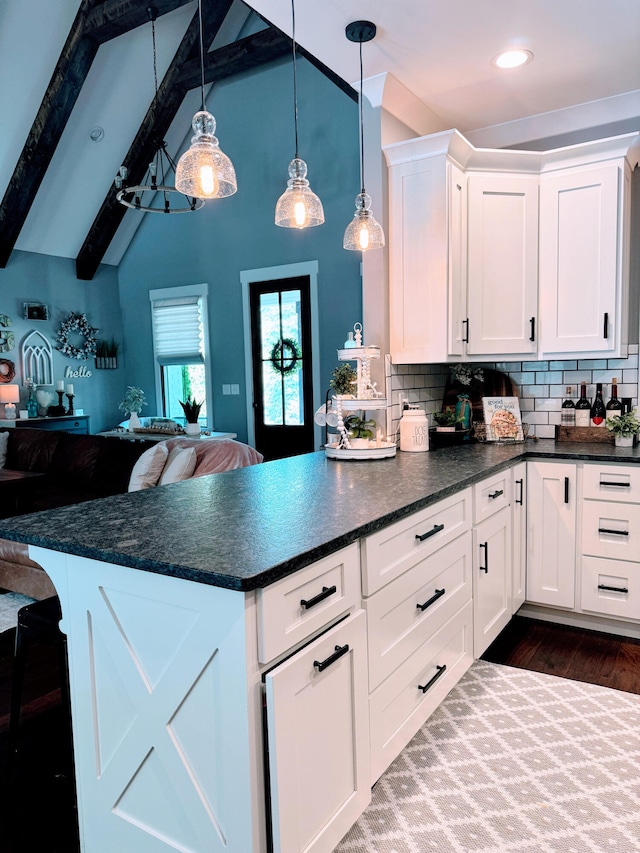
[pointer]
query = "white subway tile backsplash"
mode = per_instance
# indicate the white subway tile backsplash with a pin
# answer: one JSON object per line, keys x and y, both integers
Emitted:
{"x": 537, "y": 418}
{"x": 563, "y": 365}
{"x": 629, "y": 376}
{"x": 545, "y": 431}
{"x": 548, "y": 404}
{"x": 534, "y": 390}
{"x": 595, "y": 364}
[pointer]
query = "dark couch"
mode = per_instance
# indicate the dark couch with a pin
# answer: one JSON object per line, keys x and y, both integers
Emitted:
{"x": 74, "y": 468}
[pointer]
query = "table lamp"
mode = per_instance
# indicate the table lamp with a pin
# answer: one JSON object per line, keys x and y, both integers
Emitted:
{"x": 9, "y": 395}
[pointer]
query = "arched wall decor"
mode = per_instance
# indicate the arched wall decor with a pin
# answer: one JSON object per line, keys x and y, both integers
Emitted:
{"x": 37, "y": 359}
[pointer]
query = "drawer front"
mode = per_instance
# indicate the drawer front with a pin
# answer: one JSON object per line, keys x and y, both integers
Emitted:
{"x": 399, "y": 706}
{"x": 395, "y": 549}
{"x": 491, "y": 495}
{"x": 611, "y": 530}
{"x": 303, "y": 603}
{"x": 611, "y": 587}
{"x": 414, "y": 606}
{"x": 611, "y": 482}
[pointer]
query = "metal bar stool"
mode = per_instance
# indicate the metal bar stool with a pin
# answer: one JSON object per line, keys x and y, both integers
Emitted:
{"x": 37, "y": 622}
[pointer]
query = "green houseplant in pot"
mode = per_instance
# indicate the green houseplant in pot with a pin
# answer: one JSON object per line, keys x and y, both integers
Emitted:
{"x": 359, "y": 430}
{"x": 624, "y": 427}
{"x": 132, "y": 405}
{"x": 447, "y": 420}
{"x": 191, "y": 409}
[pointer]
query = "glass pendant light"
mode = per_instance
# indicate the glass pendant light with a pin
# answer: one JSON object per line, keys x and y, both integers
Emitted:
{"x": 204, "y": 171}
{"x": 298, "y": 206}
{"x": 363, "y": 232}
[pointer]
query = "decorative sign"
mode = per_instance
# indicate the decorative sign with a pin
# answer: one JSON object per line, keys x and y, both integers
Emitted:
{"x": 79, "y": 373}
{"x": 7, "y": 339}
{"x": 37, "y": 359}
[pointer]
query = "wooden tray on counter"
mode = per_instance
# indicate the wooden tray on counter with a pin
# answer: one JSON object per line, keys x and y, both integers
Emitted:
{"x": 601, "y": 435}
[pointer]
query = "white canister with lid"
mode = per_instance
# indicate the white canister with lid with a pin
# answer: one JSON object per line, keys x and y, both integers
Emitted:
{"x": 414, "y": 430}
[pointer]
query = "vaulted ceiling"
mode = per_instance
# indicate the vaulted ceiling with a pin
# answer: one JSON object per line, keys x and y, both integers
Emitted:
{"x": 71, "y": 66}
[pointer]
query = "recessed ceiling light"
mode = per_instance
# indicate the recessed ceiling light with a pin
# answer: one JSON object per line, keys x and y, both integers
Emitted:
{"x": 512, "y": 58}
{"x": 96, "y": 134}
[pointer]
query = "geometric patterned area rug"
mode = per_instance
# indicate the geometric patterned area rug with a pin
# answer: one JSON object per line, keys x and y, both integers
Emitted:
{"x": 10, "y": 603}
{"x": 512, "y": 762}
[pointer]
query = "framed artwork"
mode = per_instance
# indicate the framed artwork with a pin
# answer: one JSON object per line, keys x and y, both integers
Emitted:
{"x": 7, "y": 370}
{"x": 35, "y": 311}
{"x": 7, "y": 338}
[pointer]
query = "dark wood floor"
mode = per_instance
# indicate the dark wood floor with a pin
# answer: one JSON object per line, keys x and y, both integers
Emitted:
{"x": 37, "y": 802}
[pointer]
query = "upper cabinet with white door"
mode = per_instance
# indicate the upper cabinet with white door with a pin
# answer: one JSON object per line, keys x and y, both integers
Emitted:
{"x": 505, "y": 253}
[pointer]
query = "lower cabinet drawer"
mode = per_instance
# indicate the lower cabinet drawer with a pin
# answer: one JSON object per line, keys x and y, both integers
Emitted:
{"x": 611, "y": 587}
{"x": 611, "y": 530}
{"x": 414, "y": 606}
{"x": 301, "y": 604}
{"x": 402, "y": 703}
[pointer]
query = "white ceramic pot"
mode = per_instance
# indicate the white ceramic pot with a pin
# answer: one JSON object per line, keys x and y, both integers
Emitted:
{"x": 192, "y": 429}
{"x": 445, "y": 429}
{"x": 359, "y": 442}
{"x": 624, "y": 440}
{"x": 134, "y": 422}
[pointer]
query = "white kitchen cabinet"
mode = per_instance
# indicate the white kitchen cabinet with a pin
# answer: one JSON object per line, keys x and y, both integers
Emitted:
{"x": 551, "y": 533}
{"x": 584, "y": 220}
{"x": 478, "y": 268}
{"x": 318, "y": 740}
{"x": 491, "y": 579}
{"x": 502, "y": 264}
{"x": 518, "y": 535}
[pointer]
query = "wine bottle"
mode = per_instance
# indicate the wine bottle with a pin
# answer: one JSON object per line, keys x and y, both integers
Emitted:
{"x": 614, "y": 406}
{"x": 583, "y": 407}
{"x": 598, "y": 410}
{"x": 568, "y": 411}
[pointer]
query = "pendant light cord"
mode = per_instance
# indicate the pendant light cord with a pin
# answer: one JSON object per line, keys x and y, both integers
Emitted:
{"x": 201, "y": 57}
{"x": 295, "y": 76}
{"x": 360, "y": 98}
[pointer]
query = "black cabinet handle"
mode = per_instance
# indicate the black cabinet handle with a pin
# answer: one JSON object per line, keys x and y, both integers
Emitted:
{"x": 615, "y": 532}
{"x": 326, "y": 592}
{"x": 611, "y": 483}
{"x": 465, "y": 339}
{"x": 566, "y": 490}
{"x": 520, "y": 500}
{"x": 433, "y": 680}
{"x": 340, "y": 650}
{"x": 435, "y": 529}
{"x": 496, "y": 494}
{"x": 606, "y": 324}
{"x": 532, "y": 336}
{"x": 438, "y": 594}
{"x": 613, "y": 588}
{"x": 485, "y": 568}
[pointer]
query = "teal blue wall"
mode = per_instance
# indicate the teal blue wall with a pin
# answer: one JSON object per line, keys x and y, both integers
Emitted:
{"x": 254, "y": 115}
{"x": 30, "y": 277}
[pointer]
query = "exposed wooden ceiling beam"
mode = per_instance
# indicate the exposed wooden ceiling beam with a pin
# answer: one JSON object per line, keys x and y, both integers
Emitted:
{"x": 115, "y": 17}
{"x": 155, "y": 125}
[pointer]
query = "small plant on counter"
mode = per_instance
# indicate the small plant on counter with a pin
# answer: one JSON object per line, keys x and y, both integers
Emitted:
{"x": 343, "y": 379}
{"x": 626, "y": 424}
{"x": 191, "y": 409}
{"x": 357, "y": 427}
{"x": 133, "y": 401}
{"x": 447, "y": 418}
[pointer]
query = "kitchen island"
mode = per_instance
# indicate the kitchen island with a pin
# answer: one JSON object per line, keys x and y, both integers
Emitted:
{"x": 169, "y": 599}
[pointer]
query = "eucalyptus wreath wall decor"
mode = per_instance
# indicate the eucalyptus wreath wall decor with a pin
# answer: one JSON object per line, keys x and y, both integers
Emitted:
{"x": 76, "y": 323}
{"x": 285, "y": 356}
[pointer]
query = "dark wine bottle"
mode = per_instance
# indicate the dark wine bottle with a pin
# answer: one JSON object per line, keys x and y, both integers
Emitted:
{"x": 598, "y": 409}
{"x": 614, "y": 406}
{"x": 583, "y": 407}
{"x": 568, "y": 411}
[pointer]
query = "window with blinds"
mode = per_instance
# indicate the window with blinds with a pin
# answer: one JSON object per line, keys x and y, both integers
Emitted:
{"x": 178, "y": 317}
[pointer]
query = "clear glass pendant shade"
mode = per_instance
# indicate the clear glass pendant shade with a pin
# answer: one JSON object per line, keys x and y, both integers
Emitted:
{"x": 363, "y": 232}
{"x": 298, "y": 206}
{"x": 204, "y": 171}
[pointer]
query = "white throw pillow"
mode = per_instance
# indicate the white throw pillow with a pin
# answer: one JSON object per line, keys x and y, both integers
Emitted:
{"x": 179, "y": 466}
{"x": 147, "y": 470}
{"x": 4, "y": 438}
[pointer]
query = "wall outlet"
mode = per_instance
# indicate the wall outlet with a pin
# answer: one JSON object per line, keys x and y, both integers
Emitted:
{"x": 235, "y": 389}
{"x": 226, "y": 389}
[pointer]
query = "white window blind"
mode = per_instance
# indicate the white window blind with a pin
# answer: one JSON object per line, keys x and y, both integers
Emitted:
{"x": 178, "y": 332}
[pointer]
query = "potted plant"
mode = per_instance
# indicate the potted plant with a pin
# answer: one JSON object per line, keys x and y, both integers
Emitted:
{"x": 624, "y": 427}
{"x": 132, "y": 405}
{"x": 359, "y": 430}
{"x": 343, "y": 380}
{"x": 447, "y": 420}
{"x": 107, "y": 354}
{"x": 191, "y": 409}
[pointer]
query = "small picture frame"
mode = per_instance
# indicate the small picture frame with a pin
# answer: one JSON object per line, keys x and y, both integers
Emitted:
{"x": 35, "y": 311}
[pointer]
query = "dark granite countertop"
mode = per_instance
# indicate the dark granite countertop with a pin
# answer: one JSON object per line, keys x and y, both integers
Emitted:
{"x": 246, "y": 529}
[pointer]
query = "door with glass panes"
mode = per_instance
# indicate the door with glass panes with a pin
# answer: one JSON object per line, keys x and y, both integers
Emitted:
{"x": 281, "y": 360}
